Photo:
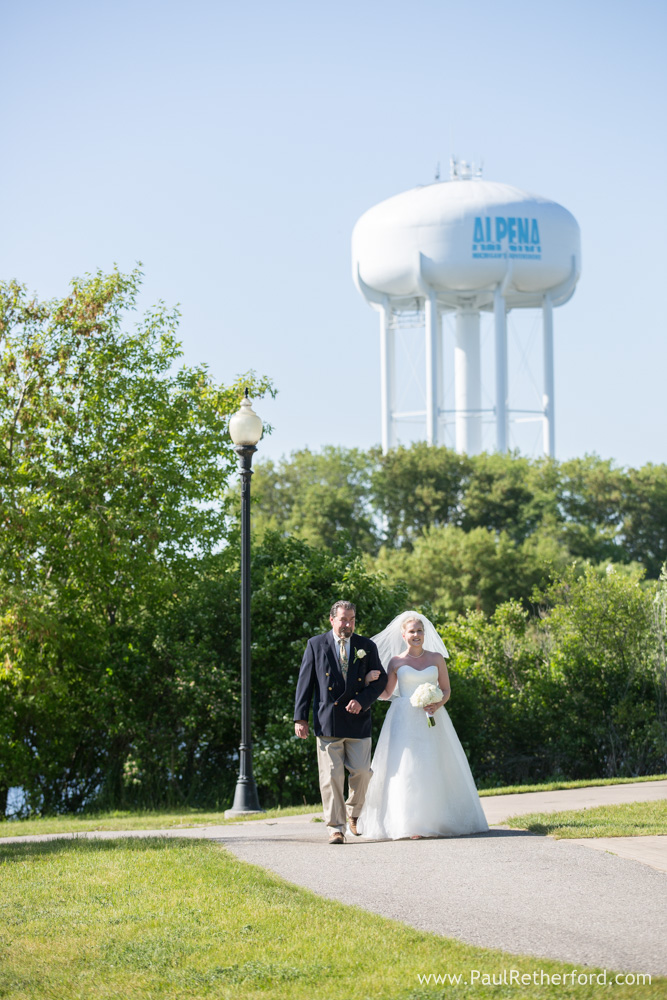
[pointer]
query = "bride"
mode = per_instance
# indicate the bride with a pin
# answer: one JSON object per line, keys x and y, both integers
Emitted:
{"x": 421, "y": 784}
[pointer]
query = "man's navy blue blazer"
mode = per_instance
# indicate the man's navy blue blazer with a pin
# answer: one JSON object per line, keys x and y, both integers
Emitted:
{"x": 320, "y": 676}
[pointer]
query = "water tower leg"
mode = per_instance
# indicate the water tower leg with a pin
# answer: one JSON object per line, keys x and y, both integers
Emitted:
{"x": 468, "y": 383}
{"x": 549, "y": 397}
{"x": 500, "y": 316}
{"x": 432, "y": 319}
{"x": 440, "y": 380}
{"x": 387, "y": 354}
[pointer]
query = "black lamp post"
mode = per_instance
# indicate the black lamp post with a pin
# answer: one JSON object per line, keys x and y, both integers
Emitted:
{"x": 245, "y": 430}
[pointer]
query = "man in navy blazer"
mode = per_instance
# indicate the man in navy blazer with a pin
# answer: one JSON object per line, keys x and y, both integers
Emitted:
{"x": 342, "y": 670}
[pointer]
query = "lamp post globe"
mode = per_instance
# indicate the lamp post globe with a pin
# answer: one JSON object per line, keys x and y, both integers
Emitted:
{"x": 245, "y": 427}
{"x": 245, "y": 430}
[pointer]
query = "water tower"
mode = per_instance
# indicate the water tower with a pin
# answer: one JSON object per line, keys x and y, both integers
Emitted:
{"x": 463, "y": 246}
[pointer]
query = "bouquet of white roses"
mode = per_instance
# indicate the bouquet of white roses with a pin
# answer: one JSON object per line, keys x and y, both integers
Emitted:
{"x": 425, "y": 695}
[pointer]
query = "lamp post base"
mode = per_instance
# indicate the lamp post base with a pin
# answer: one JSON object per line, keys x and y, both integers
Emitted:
{"x": 232, "y": 813}
{"x": 246, "y": 800}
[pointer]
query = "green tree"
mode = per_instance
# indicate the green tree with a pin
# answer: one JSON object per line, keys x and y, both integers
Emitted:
{"x": 591, "y": 502}
{"x": 499, "y": 667}
{"x": 607, "y": 671}
{"x": 456, "y": 571}
{"x": 509, "y": 493}
{"x": 577, "y": 691}
{"x": 644, "y": 529}
{"x": 113, "y": 466}
{"x": 322, "y": 498}
{"x": 417, "y": 488}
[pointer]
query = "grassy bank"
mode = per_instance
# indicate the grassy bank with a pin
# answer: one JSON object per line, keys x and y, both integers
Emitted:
{"x": 630, "y": 819}
{"x": 556, "y": 786}
{"x": 185, "y": 919}
{"x": 169, "y": 819}
{"x": 120, "y": 819}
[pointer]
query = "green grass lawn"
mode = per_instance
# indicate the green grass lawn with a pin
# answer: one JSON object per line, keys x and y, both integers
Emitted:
{"x": 170, "y": 819}
{"x": 179, "y": 920}
{"x": 630, "y": 819}
{"x": 158, "y": 819}
{"x": 554, "y": 786}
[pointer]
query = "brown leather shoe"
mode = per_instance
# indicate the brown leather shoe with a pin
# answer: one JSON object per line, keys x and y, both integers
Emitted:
{"x": 336, "y": 838}
{"x": 352, "y": 823}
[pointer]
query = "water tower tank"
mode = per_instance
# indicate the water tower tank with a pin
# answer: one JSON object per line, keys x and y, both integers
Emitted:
{"x": 466, "y": 245}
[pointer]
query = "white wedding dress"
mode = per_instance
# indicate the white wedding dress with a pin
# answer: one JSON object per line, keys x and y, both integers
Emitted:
{"x": 421, "y": 780}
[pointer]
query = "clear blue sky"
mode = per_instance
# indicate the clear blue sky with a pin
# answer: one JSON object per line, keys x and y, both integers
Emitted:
{"x": 231, "y": 148}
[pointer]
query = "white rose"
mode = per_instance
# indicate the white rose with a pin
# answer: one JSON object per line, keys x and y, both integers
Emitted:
{"x": 361, "y": 653}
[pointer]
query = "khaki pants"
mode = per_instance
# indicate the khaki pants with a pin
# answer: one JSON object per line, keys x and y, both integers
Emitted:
{"x": 333, "y": 756}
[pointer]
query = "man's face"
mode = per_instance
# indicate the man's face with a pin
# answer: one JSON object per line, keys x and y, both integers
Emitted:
{"x": 342, "y": 623}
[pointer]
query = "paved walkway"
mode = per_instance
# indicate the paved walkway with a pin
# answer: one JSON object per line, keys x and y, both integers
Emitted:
{"x": 650, "y": 851}
{"x": 507, "y": 889}
{"x": 499, "y": 807}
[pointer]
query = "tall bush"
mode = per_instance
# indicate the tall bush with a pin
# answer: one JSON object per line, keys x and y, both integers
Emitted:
{"x": 577, "y": 691}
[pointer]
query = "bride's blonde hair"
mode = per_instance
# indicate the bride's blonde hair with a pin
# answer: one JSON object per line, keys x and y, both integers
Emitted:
{"x": 410, "y": 618}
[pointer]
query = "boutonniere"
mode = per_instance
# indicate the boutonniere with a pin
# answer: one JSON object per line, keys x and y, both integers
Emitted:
{"x": 359, "y": 654}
